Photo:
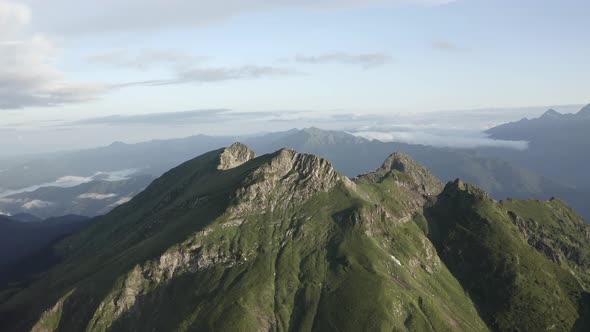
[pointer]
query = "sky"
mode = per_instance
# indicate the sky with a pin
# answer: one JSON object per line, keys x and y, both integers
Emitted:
{"x": 81, "y": 73}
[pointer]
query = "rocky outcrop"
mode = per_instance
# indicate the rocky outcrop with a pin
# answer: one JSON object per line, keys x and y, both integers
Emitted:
{"x": 287, "y": 179}
{"x": 459, "y": 187}
{"x": 190, "y": 256}
{"x": 407, "y": 173}
{"x": 234, "y": 156}
{"x": 427, "y": 183}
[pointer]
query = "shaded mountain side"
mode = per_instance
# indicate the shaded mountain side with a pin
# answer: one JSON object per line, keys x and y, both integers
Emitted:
{"x": 89, "y": 199}
{"x": 494, "y": 252}
{"x": 25, "y": 217}
{"x": 230, "y": 241}
{"x": 19, "y": 240}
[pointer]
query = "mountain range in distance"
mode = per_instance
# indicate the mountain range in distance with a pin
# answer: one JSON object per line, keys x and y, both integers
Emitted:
{"x": 503, "y": 172}
{"x": 559, "y": 146}
{"x": 283, "y": 241}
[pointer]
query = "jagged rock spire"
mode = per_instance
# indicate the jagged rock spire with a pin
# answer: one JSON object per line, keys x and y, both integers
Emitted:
{"x": 234, "y": 156}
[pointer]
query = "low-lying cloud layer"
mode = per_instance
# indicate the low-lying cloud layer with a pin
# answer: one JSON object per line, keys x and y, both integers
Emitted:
{"x": 97, "y": 196}
{"x": 69, "y": 181}
{"x": 438, "y": 140}
{"x": 37, "y": 204}
{"x": 122, "y": 200}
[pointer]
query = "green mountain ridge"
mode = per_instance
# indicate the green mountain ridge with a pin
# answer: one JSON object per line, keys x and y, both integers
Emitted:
{"x": 231, "y": 241}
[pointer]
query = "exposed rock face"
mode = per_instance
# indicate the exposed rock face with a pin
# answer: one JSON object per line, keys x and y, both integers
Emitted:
{"x": 190, "y": 256}
{"x": 234, "y": 156}
{"x": 288, "y": 178}
{"x": 427, "y": 183}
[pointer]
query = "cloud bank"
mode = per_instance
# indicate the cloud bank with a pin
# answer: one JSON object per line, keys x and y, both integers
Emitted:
{"x": 69, "y": 181}
{"x": 27, "y": 74}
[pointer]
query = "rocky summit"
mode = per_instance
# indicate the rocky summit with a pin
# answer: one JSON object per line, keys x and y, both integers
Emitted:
{"x": 282, "y": 242}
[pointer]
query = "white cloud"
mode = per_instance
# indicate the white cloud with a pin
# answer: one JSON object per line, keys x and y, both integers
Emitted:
{"x": 97, "y": 196}
{"x": 365, "y": 60}
{"x": 445, "y": 45}
{"x": 219, "y": 74}
{"x": 142, "y": 15}
{"x": 146, "y": 58}
{"x": 37, "y": 204}
{"x": 10, "y": 200}
{"x": 74, "y": 180}
{"x": 28, "y": 76}
{"x": 122, "y": 200}
{"x": 70, "y": 181}
{"x": 440, "y": 140}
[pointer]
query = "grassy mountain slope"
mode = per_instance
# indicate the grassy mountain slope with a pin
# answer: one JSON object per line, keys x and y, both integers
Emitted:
{"x": 280, "y": 242}
{"x": 486, "y": 248}
{"x": 230, "y": 241}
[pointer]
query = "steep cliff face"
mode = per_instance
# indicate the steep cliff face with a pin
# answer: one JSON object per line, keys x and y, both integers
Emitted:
{"x": 230, "y": 241}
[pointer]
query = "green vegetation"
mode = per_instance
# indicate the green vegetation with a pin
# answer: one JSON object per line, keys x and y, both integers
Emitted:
{"x": 506, "y": 277}
{"x": 283, "y": 242}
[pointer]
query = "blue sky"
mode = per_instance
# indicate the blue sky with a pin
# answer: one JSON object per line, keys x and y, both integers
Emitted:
{"x": 68, "y": 60}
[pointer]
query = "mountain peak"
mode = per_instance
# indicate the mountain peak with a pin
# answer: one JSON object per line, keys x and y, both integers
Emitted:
{"x": 399, "y": 161}
{"x": 316, "y": 135}
{"x": 286, "y": 178}
{"x": 459, "y": 185}
{"x": 427, "y": 182}
{"x": 234, "y": 156}
{"x": 551, "y": 113}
